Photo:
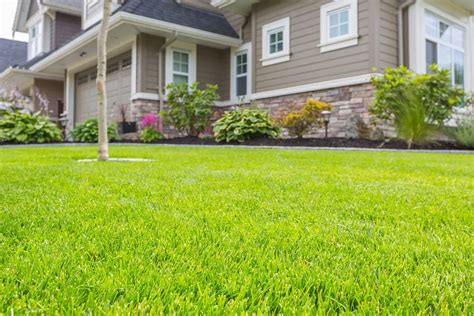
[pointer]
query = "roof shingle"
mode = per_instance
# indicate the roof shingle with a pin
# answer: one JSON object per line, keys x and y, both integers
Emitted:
{"x": 12, "y": 53}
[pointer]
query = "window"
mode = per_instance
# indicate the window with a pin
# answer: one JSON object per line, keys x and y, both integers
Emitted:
{"x": 35, "y": 39}
{"x": 276, "y": 42}
{"x": 241, "y": 72}
{"x": 445, "y": 46}
{"x": 180, "y": 67}
{"x": 339, "y": 25}
{"x": 112, "y": 67}
{"x": 127, "y": 63}
{"x": 82, "y": 79}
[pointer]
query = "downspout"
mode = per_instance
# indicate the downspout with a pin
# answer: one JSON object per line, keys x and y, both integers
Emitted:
{"x": 401, "y": 40}
{"x": 161, "y": 50}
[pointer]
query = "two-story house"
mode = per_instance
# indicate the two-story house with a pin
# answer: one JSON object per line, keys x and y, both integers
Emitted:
{"x": 276, "y": 52}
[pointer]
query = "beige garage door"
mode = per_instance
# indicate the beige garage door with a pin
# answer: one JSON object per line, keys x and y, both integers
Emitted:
{"x": 118, "y": 89}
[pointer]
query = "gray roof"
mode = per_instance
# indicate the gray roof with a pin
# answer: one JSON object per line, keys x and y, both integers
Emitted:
{"x": 12, "y": 53}
{"x": 172, "y": 12}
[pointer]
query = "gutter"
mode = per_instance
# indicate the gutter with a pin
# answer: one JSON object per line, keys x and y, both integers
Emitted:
{"x": 161, "y": 50}
{"x": 401, "y": 46}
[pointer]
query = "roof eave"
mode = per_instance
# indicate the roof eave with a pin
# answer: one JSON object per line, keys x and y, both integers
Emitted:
{"x": 125, "y": 17}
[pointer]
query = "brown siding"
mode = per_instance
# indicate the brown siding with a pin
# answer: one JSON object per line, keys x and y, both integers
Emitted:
{"x": 388, "y": 33}
{"x": 213, "y": 66}
{"x": 53, "y": 91}
{"x": 65, "y": 28}
{"x": 147, "y": 73}
{"x": 308, "y": 64}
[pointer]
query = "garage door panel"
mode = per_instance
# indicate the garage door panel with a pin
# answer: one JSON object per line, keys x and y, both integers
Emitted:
{"x": 118, "y": 90}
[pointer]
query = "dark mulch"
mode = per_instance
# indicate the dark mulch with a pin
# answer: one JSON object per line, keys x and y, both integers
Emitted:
{"x": 317, "y": 142}
{"x": 310, "y": 142}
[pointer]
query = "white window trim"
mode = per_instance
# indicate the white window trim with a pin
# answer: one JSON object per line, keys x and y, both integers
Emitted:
{"x": 417, "y": 38}
{"x": 37, "y": 21}
{"x": 280, "y": 57}
{"x": 233, "y": 75}
{"x": 181, "y": 47}
{"x": 352, "y": 39}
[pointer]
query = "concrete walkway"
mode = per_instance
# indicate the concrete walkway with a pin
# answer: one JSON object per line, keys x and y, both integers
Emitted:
{"x": 466, "y": 152}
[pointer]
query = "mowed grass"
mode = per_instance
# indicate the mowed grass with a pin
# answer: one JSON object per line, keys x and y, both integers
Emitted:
{"x": 232, "y": 231}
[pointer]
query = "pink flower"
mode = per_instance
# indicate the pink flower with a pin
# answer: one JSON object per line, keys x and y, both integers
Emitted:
{"x": 149, "y": 120}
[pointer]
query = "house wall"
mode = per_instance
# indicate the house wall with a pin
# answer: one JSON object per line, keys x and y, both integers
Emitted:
{"x": 308, "y": 65}
{"x": 213, "y": 65}
{"x": 33, "y": 9}
{"x": 65, "y": 27}
{"x": 51, "y": 90}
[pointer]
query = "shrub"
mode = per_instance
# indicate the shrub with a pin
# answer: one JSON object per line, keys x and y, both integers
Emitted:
{"x": 300, "y": 122}
{"x": 435, "y": 92}
{"x": 88, "y": 132}
{"x": 464, "y": 133}
{"x": 190, "y": 108}
{"x": 411, "y": 119}
{"x": 150, "y": 132}
{"x": 244, "y": 124}
{"x": 23, "y": 127}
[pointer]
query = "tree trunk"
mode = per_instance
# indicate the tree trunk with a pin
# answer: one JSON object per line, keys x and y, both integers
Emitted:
{"x": 103, "y": 153}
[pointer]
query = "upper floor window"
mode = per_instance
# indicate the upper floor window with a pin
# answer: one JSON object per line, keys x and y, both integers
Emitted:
{"x": 445, "y": 46}
{"x": 35, "y": 39}
{"x": 276, "y": 42}
{"x": 339, "y": 25}
{"x": 241, "y": 73}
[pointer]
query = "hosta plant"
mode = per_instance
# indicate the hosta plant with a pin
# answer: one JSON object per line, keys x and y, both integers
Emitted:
{"x": 88, "y": 132}
{"x": 243, "y": 124}
{"x": 23, "y": 127}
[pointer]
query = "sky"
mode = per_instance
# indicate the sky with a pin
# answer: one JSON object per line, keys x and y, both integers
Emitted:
{"x": 7, "y": 15}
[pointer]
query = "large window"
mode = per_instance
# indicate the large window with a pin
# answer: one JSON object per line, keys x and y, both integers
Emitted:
{"x": 339, "y": 25}
{"x": 276, "y": 42}
{"x": 445, "y": 45}
{"x": 35, "y": 39}
{"x": 180, "y": 67}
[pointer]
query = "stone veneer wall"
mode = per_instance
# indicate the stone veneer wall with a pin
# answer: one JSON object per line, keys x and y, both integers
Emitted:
{"x": 349, "y": 104}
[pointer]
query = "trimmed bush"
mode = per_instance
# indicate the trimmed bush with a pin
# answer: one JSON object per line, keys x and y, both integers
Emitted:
{"x": 88, "y": 132}
{"x": 298, "y": 123}
{"x": 190, "y": 108}
{"x": 244, "y": 124}
{"x": 24, "y": 128}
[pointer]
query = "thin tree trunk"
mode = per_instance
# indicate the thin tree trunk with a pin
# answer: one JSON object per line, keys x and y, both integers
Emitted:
{"x": 103, "y": 153}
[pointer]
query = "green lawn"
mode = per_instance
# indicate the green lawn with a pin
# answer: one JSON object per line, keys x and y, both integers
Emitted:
{"x": 215, "y": 230}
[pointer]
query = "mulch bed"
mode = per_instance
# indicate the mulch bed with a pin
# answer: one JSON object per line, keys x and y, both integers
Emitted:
{"x": 308, "y": 142}
{"x": 317, "y": 142}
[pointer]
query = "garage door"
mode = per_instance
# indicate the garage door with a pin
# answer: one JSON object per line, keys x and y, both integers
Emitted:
{"x": 118, "y": 89}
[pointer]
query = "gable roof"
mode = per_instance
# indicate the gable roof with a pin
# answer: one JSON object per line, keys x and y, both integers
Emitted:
{"x": 12, "y": 53}
{"x": 172, "y": 12}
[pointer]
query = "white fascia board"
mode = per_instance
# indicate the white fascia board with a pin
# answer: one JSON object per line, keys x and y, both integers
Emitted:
{"x": 331, "y": 84}
{"x": 122, "y": 17}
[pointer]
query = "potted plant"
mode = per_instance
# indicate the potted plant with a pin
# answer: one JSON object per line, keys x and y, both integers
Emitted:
{"x": 125, "y": 127}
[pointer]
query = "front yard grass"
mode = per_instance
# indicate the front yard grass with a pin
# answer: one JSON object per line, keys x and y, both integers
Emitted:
{"x": 219, "y": 230}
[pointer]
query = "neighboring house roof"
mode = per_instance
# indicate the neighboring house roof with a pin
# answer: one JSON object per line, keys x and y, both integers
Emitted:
{"x": 12, "y": 53}
{"x": 172, "y": 12}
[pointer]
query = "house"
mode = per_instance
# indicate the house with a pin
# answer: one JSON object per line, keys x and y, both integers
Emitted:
{"x": 276, "y": 52}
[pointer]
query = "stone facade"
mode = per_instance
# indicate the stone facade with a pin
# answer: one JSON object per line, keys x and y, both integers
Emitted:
{"x": 350, "y": 106}
{"x": 350, "y": 111}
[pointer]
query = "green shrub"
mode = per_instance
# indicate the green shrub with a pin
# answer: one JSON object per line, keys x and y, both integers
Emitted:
{"x": 438, "y": 96}
{"x": 411, "y": 119}
{"x": 464, "y": 133}
{"x": 190, "y": 108}
{"x": 300, "y": 122}
{"x": 88, "y": 132}
{"x": 23, "y": 127}
{"x": 244, "y": 124}
{"x": 150, "y": 134}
